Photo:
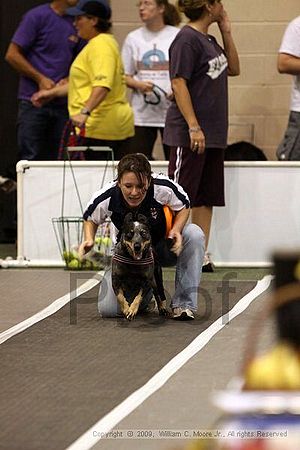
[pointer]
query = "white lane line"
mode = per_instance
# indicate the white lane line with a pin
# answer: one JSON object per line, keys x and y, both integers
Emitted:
{"x": 110, "y": 420}
{"x": 49, "y": 310}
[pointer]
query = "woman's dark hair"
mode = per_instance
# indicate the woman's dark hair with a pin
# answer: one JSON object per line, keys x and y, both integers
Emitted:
{"x": 136, "y": 163}
{"x": 194, "y": 9}
{"x": 102, "y": 25}
{"x": 171, "y": 13}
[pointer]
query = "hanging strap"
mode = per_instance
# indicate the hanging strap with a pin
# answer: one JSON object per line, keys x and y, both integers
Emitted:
{"x": 70, "y": 138}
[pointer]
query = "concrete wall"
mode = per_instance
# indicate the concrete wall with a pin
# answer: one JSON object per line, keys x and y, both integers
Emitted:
{"x": 259, "y": 97}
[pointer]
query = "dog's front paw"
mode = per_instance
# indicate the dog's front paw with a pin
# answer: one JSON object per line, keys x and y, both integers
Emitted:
{"x": 162, "y": 309}
{"x": 125, "y": 311}
{"x": 132, "y": 311}
{"x": 124, "y": 308}
{"x": 164, "y": 312}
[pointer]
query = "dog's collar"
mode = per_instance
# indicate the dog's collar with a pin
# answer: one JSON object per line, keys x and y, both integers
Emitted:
{"x": 141, "y": 262}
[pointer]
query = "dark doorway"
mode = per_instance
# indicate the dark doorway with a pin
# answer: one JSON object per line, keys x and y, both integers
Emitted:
{"x": 11, "y": 12}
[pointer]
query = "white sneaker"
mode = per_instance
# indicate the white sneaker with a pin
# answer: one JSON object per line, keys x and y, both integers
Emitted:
{"x": 207, "y": 264}
{"x": 183, "y": 314}
{"x": 189, "y": 314}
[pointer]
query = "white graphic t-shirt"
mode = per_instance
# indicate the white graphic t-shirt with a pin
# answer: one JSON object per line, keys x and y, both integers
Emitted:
{"x": 291, "y": 45}
{"x": 146, "y": 58}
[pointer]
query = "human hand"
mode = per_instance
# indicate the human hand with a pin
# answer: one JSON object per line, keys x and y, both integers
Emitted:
{"x": 197, "y": 139}
{"x": 45, "y": 83}
{"x": 8, "y": 185}
{"x": 170, "y": 95}
{"x": 145, "y": 86}
{"x": 62, "y": 82}
{"x": 41, "y": 97}
{"x": 79, "y": 120}
{"x": 84, "y": 248}
{"x": 177, "y": 241}
{"x": 224, "y": 22}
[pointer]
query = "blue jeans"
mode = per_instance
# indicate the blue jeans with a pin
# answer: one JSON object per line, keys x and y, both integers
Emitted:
{"x": 39, "y": 130}
{"x": 187, "y": 278}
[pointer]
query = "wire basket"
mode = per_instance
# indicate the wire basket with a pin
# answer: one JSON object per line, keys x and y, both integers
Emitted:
{"x": 69, "y": 233}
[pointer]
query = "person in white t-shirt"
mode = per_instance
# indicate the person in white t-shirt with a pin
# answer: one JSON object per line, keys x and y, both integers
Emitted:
{"x": 146, "y": 61}
{"x": 289, "y": 62}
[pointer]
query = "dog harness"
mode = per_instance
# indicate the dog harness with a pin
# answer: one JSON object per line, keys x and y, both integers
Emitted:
{"x": 141, "y": 262}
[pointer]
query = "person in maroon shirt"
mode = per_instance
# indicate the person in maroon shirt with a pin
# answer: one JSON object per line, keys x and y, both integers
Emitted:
{"x": 197, "y": 120}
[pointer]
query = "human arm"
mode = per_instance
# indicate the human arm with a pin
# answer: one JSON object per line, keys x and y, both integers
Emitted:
{"x": 184, "y": 103}
{"x": 14, "y": 56}
{"x": 131, "y": 67}
{"x": 97, "y": 96}
{"x": 229, "y": 45}
{"x": 180, "y": 220}
{"x": 43, "y": 96}
{"x": 289, "y": 64}
{"x": 288, "y": 60}
{"x": 138, "y": 85}
{"x": 89, "y": 233}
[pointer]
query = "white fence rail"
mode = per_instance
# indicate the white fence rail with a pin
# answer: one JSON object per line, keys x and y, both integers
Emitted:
{"x": 262, "y": 212}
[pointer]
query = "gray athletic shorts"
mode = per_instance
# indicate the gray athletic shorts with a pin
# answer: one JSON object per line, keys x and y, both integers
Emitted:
{"x": 289, "y": 147}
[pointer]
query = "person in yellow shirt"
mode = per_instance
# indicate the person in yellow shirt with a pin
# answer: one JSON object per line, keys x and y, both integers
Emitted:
{"x": 96, "y": 88}
{"x": 279, "y": 368}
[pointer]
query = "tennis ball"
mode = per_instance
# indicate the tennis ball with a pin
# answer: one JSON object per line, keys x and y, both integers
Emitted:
{"x": 297, "y": 271}
{"x": 106, "y": 241}
{"x": 87, "y": 264}
{"x": 68, "y": 256}
{"x": 74, "y": 264}
{"x": 98, "y": 240}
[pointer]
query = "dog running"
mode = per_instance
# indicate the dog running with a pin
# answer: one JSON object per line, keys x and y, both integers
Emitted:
{"x": 134, "y": 269}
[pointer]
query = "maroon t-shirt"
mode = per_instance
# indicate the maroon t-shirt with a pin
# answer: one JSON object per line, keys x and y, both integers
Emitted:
{"x": 200, "y": 60}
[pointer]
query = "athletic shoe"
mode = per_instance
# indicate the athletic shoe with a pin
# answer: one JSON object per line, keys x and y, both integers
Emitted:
{"x": 183, "y": 314}
{"x": 151, "y": 307}
{"x": 207, "y": 264}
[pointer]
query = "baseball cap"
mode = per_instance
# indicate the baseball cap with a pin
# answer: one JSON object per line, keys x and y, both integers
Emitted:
{"x": 97, "y": 8}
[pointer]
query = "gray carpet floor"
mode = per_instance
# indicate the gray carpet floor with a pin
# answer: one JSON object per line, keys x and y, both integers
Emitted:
{"x": 58, "y": 378}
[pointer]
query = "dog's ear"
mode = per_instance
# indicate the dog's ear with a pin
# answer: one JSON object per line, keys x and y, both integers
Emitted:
{"x": 143, "y": 219}
{"x": 128, "y": 218}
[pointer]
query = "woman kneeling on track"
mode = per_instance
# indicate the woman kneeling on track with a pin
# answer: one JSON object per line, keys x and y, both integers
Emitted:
{"x": 140, "y": 191}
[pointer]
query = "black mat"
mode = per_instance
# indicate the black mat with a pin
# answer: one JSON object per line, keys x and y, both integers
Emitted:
{"x": 60, "y": 377}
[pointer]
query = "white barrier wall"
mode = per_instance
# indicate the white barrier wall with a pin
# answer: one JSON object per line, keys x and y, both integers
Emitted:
{"x": 262, "y": 212}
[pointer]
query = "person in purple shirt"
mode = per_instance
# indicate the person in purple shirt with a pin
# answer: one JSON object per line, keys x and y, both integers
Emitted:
{"x": 42, "y": 50}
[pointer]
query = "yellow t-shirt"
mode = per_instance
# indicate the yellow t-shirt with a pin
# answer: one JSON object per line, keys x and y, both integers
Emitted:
{"x": 277, "y": 370}
{"x": 100, "y": 64}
